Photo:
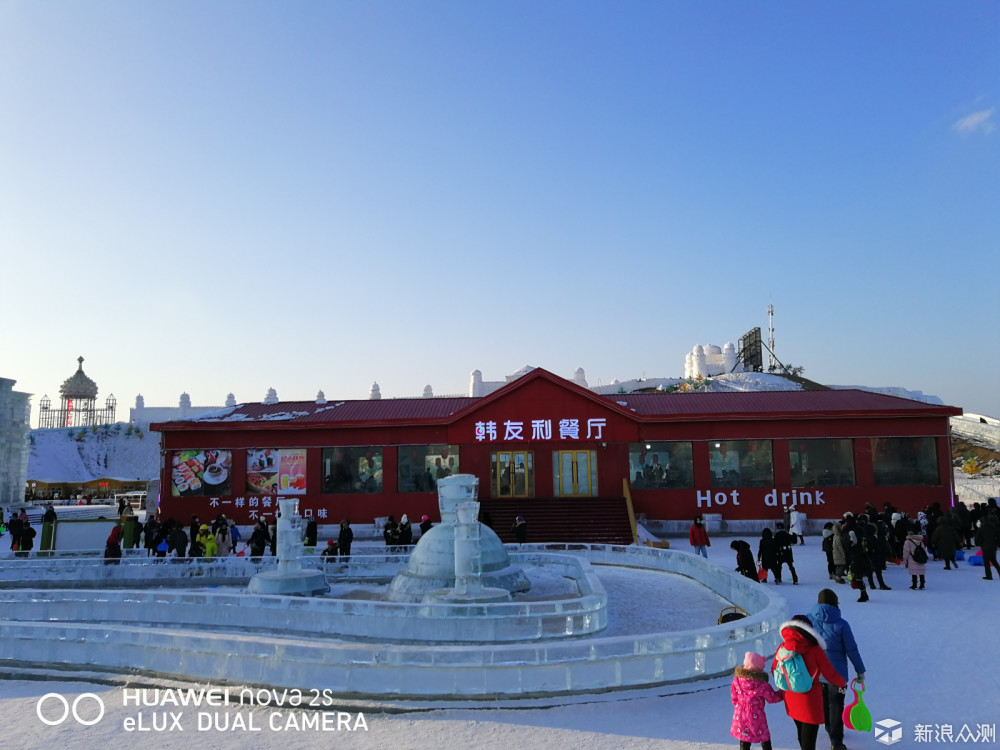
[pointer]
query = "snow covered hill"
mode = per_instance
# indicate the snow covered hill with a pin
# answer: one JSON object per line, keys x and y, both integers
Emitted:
{"x": 83, "y": 454}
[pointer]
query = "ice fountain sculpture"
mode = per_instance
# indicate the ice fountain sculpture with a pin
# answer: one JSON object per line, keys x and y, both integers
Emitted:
{"x": 290, "y": 579}
{"x": 460, "y": 559}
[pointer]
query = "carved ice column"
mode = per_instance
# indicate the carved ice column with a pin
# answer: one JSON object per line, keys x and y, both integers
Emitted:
{"x": 289, "y": 532}
{"x": 468, "y": 551}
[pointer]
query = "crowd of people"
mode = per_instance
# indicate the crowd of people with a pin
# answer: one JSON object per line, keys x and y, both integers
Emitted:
{"x": 22, "y": 534}
{"x": 858, "y": 547}
{"x": 163, "y": 538}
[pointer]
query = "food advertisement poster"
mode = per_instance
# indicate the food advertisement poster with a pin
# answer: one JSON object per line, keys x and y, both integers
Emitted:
{"x": 273, "y": 471}
{"x": 201, "y": 473}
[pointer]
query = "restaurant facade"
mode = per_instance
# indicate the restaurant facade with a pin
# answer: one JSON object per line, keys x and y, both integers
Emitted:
{"x": 744, "y": 455}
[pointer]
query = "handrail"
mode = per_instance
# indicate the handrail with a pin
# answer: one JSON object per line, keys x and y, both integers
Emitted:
{"x": 627, "y": 491}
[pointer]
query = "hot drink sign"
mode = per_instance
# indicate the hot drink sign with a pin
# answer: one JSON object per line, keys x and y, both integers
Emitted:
{"x": 273, "y": 471}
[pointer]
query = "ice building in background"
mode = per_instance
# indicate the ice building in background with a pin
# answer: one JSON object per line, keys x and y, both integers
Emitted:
{"x": 15, "y": 418}
{"x": 710, "y": 360}
{"x": 142, "y": 414}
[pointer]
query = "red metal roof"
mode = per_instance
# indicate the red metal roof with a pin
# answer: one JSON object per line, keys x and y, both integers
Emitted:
{"x": 394, "y": 411}
{"x": 776, "y": 404}
{"x": 645, "y": 406}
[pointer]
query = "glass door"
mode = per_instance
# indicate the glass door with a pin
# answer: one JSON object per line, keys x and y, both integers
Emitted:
{"x": 513, "y": 474}
{"x": 575, "y": 473}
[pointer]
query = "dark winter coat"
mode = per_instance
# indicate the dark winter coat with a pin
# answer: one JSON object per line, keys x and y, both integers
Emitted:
{"x": 405, "y": 531}
{"x": 259, "y": 540}
{"x": 345, "y": 539}
{"x": 839, "y": 638}
{"x": 803, "y": 639}
{"x": 744, "y": 560}
{"x": 390, "y": 532}
{"x": 520, "y": 530}
{"x": 878, "y": 548}
{"x": 27, "y": 538}
{"x": 178, "y": 540}
{"x": 857, "y": 560}
{"x": 988, "y": 534}
{"x": 151, "y": 533}
{"x": 767, "y": 550}
{"x": 946, "y": 539}
{"x": 784, "y": 542}
{"x": 14, "y": 527}
{"x": 311, "y": 533}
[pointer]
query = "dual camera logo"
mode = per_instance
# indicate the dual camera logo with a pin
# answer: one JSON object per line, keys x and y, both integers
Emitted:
{"x": 53, "y": 709}
{"x": 888, "y": 731}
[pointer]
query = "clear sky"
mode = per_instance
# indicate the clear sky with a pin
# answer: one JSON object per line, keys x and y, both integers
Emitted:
{"x": 219, "y": 197}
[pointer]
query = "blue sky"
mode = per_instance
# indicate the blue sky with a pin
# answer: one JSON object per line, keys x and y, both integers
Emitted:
{"x": 229, "y": 196}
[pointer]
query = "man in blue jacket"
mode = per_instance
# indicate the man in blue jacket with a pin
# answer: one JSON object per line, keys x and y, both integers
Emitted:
{"x": 840, "y": 646}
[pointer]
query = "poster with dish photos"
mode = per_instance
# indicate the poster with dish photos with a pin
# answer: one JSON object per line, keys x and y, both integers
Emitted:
{"x": 274, "y": 471}
{"x": 200, "y": 473}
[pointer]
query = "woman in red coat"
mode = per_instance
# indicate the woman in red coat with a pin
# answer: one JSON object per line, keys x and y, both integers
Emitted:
{"x": 698, "y": 536}
{"x": 806, "y": 709}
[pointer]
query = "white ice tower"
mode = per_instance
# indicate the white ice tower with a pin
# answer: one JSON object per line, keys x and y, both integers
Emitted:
{"x": 290, "y": 579}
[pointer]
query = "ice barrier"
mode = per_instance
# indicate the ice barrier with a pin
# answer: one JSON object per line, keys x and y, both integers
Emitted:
{"x": 226, "y": 654}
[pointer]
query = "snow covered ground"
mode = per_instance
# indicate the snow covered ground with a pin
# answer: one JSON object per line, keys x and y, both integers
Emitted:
{"x": 931, "y": 658}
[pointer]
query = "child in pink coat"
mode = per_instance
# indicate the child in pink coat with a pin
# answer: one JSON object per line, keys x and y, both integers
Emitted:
{"x": 749, "y": 691}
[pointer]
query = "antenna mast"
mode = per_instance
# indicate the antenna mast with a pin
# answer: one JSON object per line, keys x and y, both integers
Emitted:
{"x": 772, "y": 361}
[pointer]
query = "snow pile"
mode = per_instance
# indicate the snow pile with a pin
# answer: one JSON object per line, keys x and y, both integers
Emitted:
{"x": 750, "y": 381}
{"x": 83, "y": 454}
{"x": 893, "y": 391}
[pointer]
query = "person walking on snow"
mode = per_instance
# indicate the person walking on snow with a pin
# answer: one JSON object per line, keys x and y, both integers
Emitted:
{"x": 749, "y": 693}
{"x": 839, "y": 554}
{"x": 806, "y": 709}
{"x": 520, "y": 530}
{"x": 784, "y": 542}
{"x": 915, "y": 541}
{"x": 840, "y": 646}
{"x": 987, "y": 536}
{"x": 744, "y": 559}
{"x": 946, "y": 540}
{"x": 345, "y": 539}
{"x": 698, "y": 537}
{"x": 767, "y": 555}
{"x": 795, "y": 525}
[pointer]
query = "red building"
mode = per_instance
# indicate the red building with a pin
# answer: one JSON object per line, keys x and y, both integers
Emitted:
{"x": 543, "y": 439}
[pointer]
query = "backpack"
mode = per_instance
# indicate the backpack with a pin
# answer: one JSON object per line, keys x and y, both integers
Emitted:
{"x": 919, "y": 555}
{"x": 790, "y": 672}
